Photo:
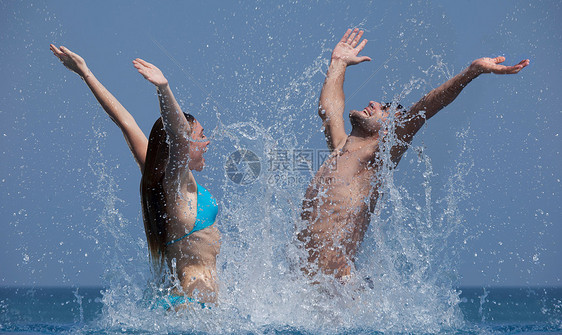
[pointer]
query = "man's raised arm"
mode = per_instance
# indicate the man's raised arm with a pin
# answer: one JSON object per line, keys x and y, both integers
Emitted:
{"x": 332, "y": 99}
{"x": 437, "y": 99}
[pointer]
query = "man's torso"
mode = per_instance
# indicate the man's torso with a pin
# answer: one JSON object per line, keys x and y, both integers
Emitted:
{"x": 337, "y": 208}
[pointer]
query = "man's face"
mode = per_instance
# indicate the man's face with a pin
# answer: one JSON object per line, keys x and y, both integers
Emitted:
{"x": 371, "y": 119}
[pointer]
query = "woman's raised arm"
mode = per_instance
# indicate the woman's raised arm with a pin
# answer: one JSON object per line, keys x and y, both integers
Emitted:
{"x": 176, "y": 125}
{"x": 137, "y": 141}
{"x": 178, "y": 130}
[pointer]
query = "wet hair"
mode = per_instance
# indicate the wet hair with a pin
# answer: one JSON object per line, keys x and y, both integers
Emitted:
{"x": 399, "y": 107}
{"x": 153, "y": 199}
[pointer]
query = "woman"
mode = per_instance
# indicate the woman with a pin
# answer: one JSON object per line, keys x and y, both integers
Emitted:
{"x": 178, "y": 213}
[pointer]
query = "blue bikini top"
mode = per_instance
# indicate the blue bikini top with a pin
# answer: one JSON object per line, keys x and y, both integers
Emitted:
{"x": 207, "y": 211}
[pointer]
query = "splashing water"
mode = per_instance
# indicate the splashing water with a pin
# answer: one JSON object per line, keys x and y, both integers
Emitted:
{"x": 407, "y": 264}
{"x": 404, "y": 281}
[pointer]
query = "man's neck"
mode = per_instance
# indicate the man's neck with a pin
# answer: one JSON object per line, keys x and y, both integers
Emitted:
{"x": 357, "y": 142}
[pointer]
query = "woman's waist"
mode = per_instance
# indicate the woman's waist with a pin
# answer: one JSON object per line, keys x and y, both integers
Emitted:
{"x": 205, "y": 269}
{"x": 181, "y": 226}
{"x": 199, "y": 252}
{"x": 197, "y": 274}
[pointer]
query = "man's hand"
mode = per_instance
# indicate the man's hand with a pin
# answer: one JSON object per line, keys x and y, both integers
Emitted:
{"x": 347, "y": 49}
{"x": 72, "y": 61}
{"x": 492, "y": 65}
{"x": 150, "y": 72}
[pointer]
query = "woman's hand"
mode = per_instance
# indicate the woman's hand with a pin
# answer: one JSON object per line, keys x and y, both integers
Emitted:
{"x": 347, "y": 49}
{"x": 72, "y": 61}
{"x": 150, "y": 72}
{"x": 492, "y": 65}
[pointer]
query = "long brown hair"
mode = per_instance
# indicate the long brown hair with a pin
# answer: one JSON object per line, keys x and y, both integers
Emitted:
{"x": 153, "y": 199}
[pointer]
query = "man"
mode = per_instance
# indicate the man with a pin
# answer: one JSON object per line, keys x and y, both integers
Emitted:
{"x": 340, "y": 199}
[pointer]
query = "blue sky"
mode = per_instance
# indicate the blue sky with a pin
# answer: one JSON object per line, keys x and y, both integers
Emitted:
{"x": 64, "y": 163}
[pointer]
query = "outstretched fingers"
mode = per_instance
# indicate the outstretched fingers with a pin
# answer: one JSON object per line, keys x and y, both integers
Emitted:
{"x": 143, "y": 62}
{"x": 70, "y": 60}
{"x": 144, "y": 67}
{"x": 140, "y": 67}
{"x": 493, "y": 65}
{"x": 520, "y": 65}
{"x": 357, "y": 38}
{"x": 511, "y": 69}
{"x": 349, "y": 47}
{"x": 361, "y": 46}
{"x": 523, "y": 63}
{"x": 63, "y": 52}
{"x": 499, "y": 59}
{"x": 150, "y": 72}
{"x": 56, "y": 51}
{"x": 66, "y": 50}
{"x": 345, "y": 36}
{"x": 364, "y": 59}
{"x": 352, "y": 36}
